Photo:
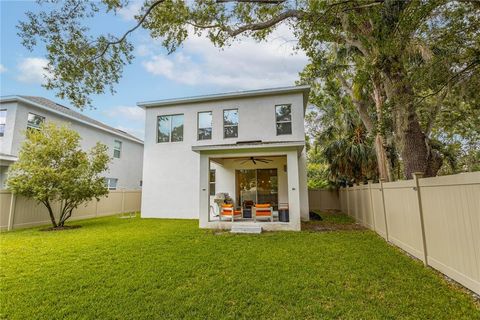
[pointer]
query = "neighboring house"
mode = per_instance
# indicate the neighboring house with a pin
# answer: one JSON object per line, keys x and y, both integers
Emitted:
{"x": 249, "y": 144}
{"x": 17, "y": 113}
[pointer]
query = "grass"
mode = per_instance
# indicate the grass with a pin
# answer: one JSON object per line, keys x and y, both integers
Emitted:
{"x": 333, "y": 218}
{"x": 154, "y": 269}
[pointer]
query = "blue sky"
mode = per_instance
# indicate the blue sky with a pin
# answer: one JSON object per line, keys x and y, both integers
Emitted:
{"x": 197, "y": 68}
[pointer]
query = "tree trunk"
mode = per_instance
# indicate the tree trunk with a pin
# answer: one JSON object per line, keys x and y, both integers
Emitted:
{"x": 50, "y": 212}
{"x": 412, "y": 143}
{"x": 384, "y": 169}
{"x": 384, "y": 165}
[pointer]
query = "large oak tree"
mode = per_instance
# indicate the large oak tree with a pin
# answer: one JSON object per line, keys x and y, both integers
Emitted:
{"x": 378, "y": 47}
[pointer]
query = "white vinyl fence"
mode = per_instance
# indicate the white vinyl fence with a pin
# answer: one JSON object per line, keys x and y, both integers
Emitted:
{"x": 435, "y": 219}
{"x": 323, "y": 199}
{"x": 20, "y": 212}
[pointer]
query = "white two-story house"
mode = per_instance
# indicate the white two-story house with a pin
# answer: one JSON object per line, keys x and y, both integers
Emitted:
{"x": 18, "y": 113}
{"x": 249, "y": 144}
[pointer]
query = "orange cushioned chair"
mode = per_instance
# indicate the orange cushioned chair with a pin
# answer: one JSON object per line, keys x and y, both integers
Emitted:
{"x": 263, "y": 211}
{"x": 227, "y": 210}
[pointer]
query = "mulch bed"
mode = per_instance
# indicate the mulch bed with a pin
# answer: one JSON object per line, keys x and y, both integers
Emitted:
{"x": 60, "y": 228}
{"x": 326, "y": 227}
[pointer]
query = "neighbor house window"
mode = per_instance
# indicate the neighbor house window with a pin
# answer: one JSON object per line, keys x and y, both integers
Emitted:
{"x": 170, "y": 128}
{"x": 205, "y": 125}
{"x": 212, "y": 182}
{"x": 117, "y": 149}
{"x": 3, "y": 121}
{"x": 230, "y": 123}
{"x": 34, "y": 121}
{"x": 111, "y": 183}
{"x": 283, "y": 116}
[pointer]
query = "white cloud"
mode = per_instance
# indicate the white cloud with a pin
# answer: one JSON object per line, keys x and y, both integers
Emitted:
{"x": 246, "y": 64}
{"x": 32, "y": 70}
{"x": 128, "y": 13}
{"x": 130, "y": 119}
{"x": 2, "y": 69}
{"x": 127, "y": 112}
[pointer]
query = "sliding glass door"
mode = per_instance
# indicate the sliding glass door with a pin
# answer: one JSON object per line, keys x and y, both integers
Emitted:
{"x": 257, "y": 186}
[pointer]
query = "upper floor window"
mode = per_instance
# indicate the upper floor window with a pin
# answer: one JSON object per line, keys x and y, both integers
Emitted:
{"x": 3, "y": 121}
{"x": 111, "y": 183}
{"x": 283, "y": 116}
{"x": 117, "y": 149}
{"x": 34, "y": 121}
{"x": 205, "y": 125}
{"x": 170, "y": 128}
{"x": 230, "y": 123}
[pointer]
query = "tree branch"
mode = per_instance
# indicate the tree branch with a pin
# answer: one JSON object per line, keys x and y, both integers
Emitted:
{"x": 124, "y": 36}
{"x": 253, "y": 1}
{"x": 433, "y": 115}
{"x": 265, "y": 24}
{"x": 361, "y": 106}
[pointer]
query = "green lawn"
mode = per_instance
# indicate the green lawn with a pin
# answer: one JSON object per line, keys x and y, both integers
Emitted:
{"x": 115, "y": 268}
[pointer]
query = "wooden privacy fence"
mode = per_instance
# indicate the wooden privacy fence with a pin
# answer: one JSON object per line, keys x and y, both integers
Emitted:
{"x": 21, "y": 212}
{"x": 435, "y": 219}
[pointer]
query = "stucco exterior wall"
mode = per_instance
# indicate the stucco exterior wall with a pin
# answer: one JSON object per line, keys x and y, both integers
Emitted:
{"x": 171, "y": 169}
{"x": 127, "y": 169}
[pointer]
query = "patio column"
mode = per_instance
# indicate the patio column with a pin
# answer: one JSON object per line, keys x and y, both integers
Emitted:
{"x": 204, "y": 205}
{"x": 293, "y": 189}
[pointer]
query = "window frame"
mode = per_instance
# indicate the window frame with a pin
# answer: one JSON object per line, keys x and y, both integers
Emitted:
{"x": 290, "y": 121}
{"x": 107, "y": 182}
{"x": 210, "y": 182}
{"x": 117, "y": 149}
{"x": 170, "y": 116}
{"x": 198, "y": 125}
{"x": 3, "y": 125}
{"x": 29, "y": 126}
{"x": 230, "y": 125}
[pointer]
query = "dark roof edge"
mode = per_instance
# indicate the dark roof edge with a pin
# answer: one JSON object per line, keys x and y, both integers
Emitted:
{"x": 228, "y": 95}
{"x": 17, "y": 98}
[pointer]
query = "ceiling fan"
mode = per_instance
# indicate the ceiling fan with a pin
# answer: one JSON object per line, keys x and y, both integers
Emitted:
{"x": 253, "y": 159}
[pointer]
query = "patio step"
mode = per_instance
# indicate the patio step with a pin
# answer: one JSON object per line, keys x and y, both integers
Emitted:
{"x": 245, "y": 229}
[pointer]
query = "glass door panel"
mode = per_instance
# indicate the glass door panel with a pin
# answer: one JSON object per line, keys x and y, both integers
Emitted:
{"x": 246, "y": 186}
{"x": 267, "y": 187}
{"x": 257, "y": 185}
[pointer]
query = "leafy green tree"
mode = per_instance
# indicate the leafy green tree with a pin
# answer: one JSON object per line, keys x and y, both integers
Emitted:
{"x": 52, "y": 167}
{"x": 396, "y": 54}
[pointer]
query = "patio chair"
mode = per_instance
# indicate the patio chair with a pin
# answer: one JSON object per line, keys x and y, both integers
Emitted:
{"x": 263, "y": 211}
{"x": 228, "y": 211}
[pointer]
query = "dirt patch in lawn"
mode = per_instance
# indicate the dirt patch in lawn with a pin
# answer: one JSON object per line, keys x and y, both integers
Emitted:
{"x": 60, "y": 228}
{"x": 321, "y": 221}
{"x": 326, "y": 226}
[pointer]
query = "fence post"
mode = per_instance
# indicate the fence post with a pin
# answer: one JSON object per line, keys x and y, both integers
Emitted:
{"x": 348, "y": 201}
{"x": 384, "y": 210}
{"x": 416, "y": 188}
{"x": 372, "y": 209}
{"x": 11, "y": 213}
{"x": 123, "y": 201}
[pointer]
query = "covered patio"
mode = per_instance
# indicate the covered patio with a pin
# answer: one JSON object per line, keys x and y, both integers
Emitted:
{"x": 253, "y": 184}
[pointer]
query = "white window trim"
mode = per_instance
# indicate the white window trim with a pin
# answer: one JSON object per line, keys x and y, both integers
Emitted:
{"x": 198, "y": 125}
{"x": 32, "y": 126}
{"x": 170, "y": 125}
{"x": 107, "y": 182}
{"x": 3, "y": 124}
{"x": 117, "y": 149}
{"x": 290, "y": 121}
{"x": 230, "y": 125}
